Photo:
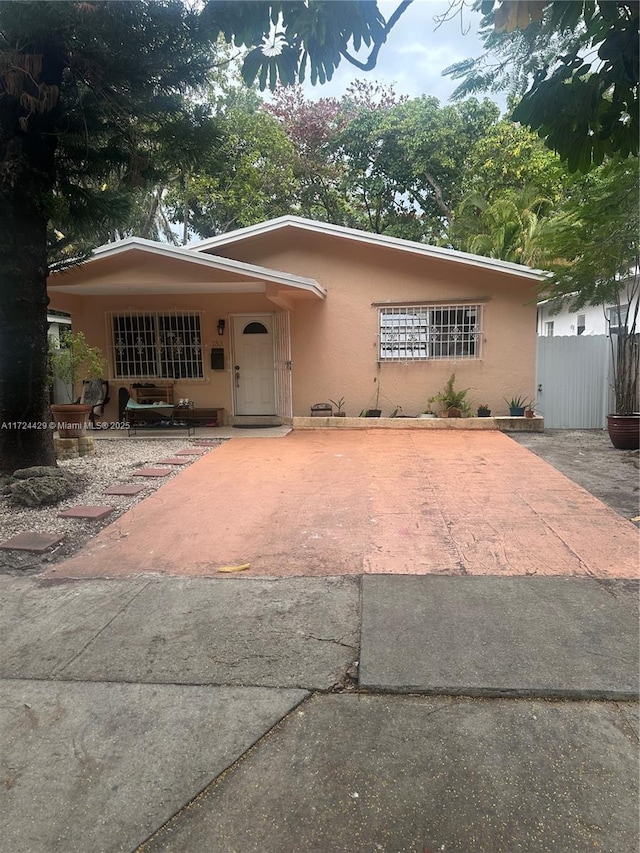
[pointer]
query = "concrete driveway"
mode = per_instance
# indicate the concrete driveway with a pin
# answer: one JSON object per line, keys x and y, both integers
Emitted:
{"x": 328, "y": 503}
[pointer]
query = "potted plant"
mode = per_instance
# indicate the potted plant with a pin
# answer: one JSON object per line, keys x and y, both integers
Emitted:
{"x": 73, "y": 361}
{"x": 529, "y": 411}
{"x": 484, "y": 411}
{"x": 453, "y": 402}
{"x": 338, "y": 404}
{"x": 374, "y": 412}
{"x": 517, "y": 405}
{"x": 428, "y": 413}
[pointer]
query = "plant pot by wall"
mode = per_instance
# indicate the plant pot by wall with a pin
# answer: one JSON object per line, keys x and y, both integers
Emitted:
{"x": 624, "y": 431}
{"x": 339, "y": 414}
{"x": 373, "y": 413}
{"x": 517, "y": 413}
{"x": 529, "y": 413}
{"x": 321, "y": 410}
{"x": 71, "y": 419}
{"x": 453, "y": 412}
{"x": 484, "y": 413}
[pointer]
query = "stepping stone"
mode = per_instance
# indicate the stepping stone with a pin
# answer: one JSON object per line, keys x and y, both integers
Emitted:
{"x": 131, "y": 489}
{"x": 173, "y": 460}
{"x": 37, "y": 542}
{"x": 84, "y": 511}
{"x": 152, "y": 472}
{"x": 191, "y": 451}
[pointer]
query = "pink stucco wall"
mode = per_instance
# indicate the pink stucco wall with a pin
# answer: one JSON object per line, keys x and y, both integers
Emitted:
{"x": 334, "y": 342}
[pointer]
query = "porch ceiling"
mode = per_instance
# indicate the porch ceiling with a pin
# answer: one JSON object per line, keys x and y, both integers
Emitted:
{"x": 142, "y": 267}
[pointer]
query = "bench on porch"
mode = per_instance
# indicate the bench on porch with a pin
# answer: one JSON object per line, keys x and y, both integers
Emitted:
{"x": 156, "y": 416}
{"x": 208, "y": 416}
{"x": 152, "y": 405}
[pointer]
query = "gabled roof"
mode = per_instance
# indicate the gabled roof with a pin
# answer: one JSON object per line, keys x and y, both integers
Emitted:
{"x": 236, "y": 270}
{"x": 310, "y": 225}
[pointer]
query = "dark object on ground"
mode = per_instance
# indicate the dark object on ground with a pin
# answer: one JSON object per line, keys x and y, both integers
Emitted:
{"x": 38, "y": 491}
{"x": 42, "y": 485}
{"x": 37, "y": 471}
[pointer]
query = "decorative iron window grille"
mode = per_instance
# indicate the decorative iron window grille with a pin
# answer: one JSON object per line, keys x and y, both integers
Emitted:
{"x": 156, "y": 346}
{"x": 421, "y": 332}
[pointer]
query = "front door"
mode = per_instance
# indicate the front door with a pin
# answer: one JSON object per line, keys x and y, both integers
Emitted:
{"x": 253, "y": 373}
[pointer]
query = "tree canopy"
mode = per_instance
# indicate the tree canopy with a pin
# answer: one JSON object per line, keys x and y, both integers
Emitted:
{"x": 574, "y": 63}
{"x": 574, "y": 66}
{"x": 591, "y": 243}
{"x": 91, "y": 96}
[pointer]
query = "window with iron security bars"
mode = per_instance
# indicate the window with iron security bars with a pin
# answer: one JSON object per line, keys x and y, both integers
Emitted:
{"x": 422, "y": 332}
{"x": 156, "y": 346}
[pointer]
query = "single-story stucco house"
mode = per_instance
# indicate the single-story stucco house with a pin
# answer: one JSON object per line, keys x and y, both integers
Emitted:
{"x": 274, "y": 318}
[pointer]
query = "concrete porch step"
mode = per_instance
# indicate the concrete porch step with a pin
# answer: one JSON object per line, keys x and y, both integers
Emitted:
{"x": 255, "y": 420}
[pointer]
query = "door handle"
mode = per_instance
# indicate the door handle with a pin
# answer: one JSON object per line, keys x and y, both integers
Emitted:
{"x": 237, "y": 370}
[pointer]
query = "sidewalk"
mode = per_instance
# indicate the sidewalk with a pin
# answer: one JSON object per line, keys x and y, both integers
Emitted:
{"x": 200, "y": 715}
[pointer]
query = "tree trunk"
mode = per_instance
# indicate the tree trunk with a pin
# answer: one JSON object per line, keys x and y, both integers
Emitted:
{"x": 26, "y": 171}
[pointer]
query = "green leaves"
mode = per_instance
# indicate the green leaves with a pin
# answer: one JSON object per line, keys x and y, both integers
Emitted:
{"x": 584, "y": 110}
{"x": 592, "y": 242}
{"x": 580, "y": 118}
{"x": 291, "y": 41}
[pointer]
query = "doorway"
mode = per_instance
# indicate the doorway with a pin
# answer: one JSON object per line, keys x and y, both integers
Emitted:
{"x": 253, "y": 373}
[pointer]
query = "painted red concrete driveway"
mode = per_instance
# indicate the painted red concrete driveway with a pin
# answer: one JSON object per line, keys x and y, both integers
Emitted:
{"x": 350, "y": 502}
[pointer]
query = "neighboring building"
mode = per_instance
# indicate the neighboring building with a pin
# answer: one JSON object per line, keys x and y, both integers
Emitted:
{"x": 276, "y": 317}
{"x": 589, "y": 320}
{"x": 575, "y": 370}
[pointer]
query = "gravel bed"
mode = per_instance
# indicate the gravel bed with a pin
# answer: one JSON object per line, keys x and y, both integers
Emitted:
{"x": 113, "y": 463}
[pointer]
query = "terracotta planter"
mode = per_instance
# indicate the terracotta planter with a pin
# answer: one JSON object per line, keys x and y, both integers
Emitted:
{"x": 452, "y": 412}
{"x": 71, "y": 420}
{"x": 624, "y": 431}
{"x": 529, "y": 413}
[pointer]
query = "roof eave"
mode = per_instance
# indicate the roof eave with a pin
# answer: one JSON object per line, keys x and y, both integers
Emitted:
{"x": 251, "y": 271}
{"x": 436, "y": 252}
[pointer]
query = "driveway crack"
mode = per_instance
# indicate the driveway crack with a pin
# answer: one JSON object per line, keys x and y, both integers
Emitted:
{"x": 104, "y": 628}
{"x": 338, "y": 642}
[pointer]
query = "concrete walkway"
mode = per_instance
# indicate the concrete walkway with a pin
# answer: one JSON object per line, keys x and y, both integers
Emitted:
{"x": 351, "y": 502}
{"x": 193, "y": 715}
{"x": 436, "y": 711}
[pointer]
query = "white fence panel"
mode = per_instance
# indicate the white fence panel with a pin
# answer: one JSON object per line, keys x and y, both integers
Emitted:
{"x": 573, "y": 381}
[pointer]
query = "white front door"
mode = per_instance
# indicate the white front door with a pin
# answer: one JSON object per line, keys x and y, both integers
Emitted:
{"x": 253, "y": 373}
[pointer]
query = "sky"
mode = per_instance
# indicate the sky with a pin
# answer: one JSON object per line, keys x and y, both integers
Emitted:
{"x": 416, "y": 53}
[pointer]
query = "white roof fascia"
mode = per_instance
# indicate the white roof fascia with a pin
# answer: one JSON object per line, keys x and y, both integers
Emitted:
{"x": 369, "y": 237}
{"x": 211, "y": 261}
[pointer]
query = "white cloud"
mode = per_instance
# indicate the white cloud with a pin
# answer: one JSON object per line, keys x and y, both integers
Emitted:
{"x": 412, "y": 48}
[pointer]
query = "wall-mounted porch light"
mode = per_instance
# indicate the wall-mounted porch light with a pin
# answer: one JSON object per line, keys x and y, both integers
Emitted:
{"x": 221, "y": 325}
